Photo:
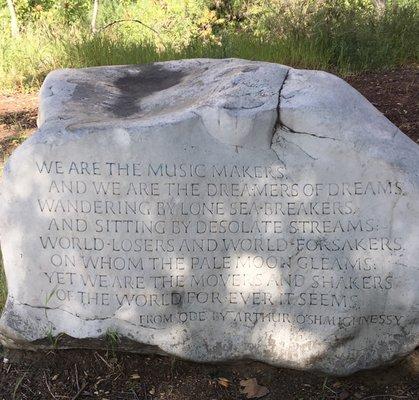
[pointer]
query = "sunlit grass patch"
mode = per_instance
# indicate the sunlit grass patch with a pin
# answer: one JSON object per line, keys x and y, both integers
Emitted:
{"x": 342, "y": 36}
{"x": 3, "y": 285}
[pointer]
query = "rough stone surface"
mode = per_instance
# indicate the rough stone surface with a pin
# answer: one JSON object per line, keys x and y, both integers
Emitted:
{"x": 213, "y": 210}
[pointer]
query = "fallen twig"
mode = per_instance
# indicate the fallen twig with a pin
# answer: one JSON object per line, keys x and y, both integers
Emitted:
{"x": 48, "y": 387}
{"x": 77, "y": 376}
{"x": 77, "y": 395}
{"x": 376, "y": 396}
{"x": 106, "y": 363}
{"x": 135, "y": 394}
{"x": 18, "y": 382}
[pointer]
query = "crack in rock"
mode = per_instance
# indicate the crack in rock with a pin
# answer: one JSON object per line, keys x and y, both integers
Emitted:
{"x": 280, "y": 124}
{"x": 65, "y": 311}
{"x": 289, "y": 130}
{"x": 84, "y": 318}
{"x": 295, "y": 144}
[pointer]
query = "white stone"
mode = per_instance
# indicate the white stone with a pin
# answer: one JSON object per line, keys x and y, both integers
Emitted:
{"x": 289, "y": 233}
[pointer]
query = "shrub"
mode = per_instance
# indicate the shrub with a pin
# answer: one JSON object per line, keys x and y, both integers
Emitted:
{"x": 343, "y": 36}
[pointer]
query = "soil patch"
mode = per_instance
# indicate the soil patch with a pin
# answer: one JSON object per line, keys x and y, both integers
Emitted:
{"x": 105, "y": 375}
{"x": 395, "y": 94}
{"x": 17, "y": 121}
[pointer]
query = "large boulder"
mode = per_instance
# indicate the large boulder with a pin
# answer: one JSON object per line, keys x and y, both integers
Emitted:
{"x": 213, "y": 210}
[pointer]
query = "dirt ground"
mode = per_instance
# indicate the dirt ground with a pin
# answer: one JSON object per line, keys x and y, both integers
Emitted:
{"x": 17, "y": 121}
{"x": 76, "y": 374}
{"x": 395, "y": 94}
{"x": 73, "y": 374}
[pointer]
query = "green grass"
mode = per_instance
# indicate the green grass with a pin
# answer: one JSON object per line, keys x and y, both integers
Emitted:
{"x": 3, "y": 286}
{"x": 342, "y": 36}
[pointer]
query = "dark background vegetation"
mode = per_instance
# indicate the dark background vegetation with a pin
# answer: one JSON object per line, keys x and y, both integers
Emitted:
{"x": 343, "y": 36}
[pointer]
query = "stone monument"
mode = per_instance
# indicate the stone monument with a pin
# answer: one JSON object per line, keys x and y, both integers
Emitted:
{"x": 213, "y": 210}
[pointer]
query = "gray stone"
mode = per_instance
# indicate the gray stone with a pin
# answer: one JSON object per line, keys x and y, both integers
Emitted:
{"x": 213, "y": 210}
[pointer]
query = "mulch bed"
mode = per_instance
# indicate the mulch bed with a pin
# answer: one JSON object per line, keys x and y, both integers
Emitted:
{"x": 17, "y": 121}
{"x": 395, "y": 94}
{"x": 103, "y": 375}
{"x": 77, "y": 374}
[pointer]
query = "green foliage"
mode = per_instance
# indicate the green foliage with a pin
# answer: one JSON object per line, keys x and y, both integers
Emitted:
{"x": 343, "y": 36}
{"x": 112, "y": 339}
{"x": 51, "y": 11}
{"x": 3, "y": 285}
{"x": 52, "y": 339}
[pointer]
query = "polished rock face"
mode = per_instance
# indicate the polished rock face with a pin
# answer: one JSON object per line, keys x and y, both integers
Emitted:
{"x": 213, "y": 210}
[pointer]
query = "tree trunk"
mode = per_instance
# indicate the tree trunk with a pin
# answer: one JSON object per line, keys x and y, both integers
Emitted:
{"x": 94, "y": 15}
{"x": 13, "y": 19}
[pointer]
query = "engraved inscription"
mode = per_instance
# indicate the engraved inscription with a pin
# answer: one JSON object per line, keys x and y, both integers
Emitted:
{"x": 197, "y": 242}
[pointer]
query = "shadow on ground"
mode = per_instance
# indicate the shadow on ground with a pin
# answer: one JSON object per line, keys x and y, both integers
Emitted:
{"x": 105, "y": 375}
